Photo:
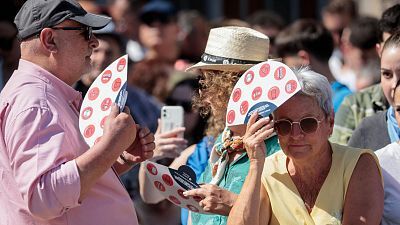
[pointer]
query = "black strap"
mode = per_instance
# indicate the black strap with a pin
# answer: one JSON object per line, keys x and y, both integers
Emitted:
{"x": 212, "y": 59}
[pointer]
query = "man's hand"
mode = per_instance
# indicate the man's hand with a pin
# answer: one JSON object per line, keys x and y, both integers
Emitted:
{"x": 120, "y": 130}
{"x": 142, "y": 148}
{"x": 214, "y": 199}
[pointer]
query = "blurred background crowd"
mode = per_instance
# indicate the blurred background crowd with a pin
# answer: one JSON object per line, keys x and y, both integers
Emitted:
{"x": 337, "y": 38}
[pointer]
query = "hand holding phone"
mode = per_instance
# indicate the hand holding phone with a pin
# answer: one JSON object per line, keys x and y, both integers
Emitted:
{"x": 171, "y": 117}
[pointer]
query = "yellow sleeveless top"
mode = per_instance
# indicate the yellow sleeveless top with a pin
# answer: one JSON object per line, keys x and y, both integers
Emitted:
{"x": 288, "y": 207}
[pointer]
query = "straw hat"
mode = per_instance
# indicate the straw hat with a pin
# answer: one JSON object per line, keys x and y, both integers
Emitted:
{"x": 233, "y": 49}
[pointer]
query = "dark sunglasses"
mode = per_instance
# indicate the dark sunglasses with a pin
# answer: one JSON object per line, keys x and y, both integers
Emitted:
{"x": 186, "y": 105}
{"x": 308, "y": 125}
{"x": 151, "y": 18}
{"x": 87, "y": 31}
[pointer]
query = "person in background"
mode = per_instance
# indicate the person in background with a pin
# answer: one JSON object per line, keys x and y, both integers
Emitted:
{"x": 311, "y": 181}
{"x": 371, "y": 100}
{"x": 9, "y": 50}
{"x": 152, "y": 76}
{"x": 360, "y": 59}
{"x": 336, "y": 16}
{"x": 307, "y": 43}
{"x": 158, "y": 31}
{"x": 50, "y": 174}
{"x": 182, "y": 94}
{"x": 125, "y": 14}
{"x": 381, "y": 129}
{"x": 268, "y": 23}
{"x": 390, "y": 160}
{"x": 194, "y": 29}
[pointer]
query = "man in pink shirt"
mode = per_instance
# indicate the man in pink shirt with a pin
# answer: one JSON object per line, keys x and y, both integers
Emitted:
{"x": 48, "y": 174}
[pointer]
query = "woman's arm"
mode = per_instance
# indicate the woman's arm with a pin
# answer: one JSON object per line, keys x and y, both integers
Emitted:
{"x": 364, "y": 198}
{"x": 252, "y": 205}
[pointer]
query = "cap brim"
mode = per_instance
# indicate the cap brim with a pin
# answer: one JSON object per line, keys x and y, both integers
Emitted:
{"x": 224, "y": 67}
{"x": 92, "y": 20}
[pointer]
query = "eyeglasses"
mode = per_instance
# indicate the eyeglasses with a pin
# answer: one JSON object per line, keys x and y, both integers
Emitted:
{"x": 187, "y": 105}
{"x": 308, "y": 125}
{"x": 87, "y": 31}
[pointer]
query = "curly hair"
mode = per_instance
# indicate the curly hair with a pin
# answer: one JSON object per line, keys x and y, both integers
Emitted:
{"x": 215, "y": 89}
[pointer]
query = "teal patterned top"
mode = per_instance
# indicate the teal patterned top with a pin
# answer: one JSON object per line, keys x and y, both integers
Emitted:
{"x": 234, "y": 177}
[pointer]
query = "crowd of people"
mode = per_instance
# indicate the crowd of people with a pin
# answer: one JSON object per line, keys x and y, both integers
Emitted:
{"x": 328, "y": 155}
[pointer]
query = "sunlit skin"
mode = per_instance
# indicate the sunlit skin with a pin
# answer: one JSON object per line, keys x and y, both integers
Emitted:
{"x": 73, "y": 42}
{"x": 298, "y": 145}
{"x": 390, "y": 71}
{"x": 396, "y": 104}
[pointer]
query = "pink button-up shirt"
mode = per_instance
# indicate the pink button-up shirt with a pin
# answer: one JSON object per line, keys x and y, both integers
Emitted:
{"x": 39, "y": 140}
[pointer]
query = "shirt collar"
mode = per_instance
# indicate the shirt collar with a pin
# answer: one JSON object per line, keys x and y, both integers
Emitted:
{"x": 72, "y": 96}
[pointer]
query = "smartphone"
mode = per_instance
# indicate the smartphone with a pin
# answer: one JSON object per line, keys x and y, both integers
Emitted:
{"x": 171, "y": 117}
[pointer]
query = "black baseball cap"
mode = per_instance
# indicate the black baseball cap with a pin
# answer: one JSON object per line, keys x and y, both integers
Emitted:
{"x": 38, "y": 14}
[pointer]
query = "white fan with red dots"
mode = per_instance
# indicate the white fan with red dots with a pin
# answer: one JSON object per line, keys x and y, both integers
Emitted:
{"x": 109, "y": 87}
{"x": 172, "y": 183}
{"x": 262, "y": 89}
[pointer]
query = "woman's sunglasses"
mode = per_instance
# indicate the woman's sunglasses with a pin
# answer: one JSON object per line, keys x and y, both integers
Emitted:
{"x": 187, "y": 105}
{"x": 308, "y": 125}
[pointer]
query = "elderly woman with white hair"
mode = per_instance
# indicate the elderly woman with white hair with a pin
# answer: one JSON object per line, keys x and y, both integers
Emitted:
{"x": 311, "y": 181}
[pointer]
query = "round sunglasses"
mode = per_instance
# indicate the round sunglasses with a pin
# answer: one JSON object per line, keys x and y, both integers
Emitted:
{"x": 308, "y": 125}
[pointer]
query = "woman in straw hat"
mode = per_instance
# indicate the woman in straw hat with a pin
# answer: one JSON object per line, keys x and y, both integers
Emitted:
{"x": 230, "y": 51}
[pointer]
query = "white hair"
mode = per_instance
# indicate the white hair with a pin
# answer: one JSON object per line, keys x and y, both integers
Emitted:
{"x": 316, "y": 86}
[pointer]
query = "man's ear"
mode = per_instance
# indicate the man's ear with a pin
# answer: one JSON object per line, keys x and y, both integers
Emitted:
{"x": 47, "y": 39}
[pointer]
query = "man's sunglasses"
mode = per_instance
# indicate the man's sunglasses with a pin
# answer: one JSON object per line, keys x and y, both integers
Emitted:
{"x": 308, "y": 125}
{"x": 187, "y": 105}
{"x": 87, "y": 31}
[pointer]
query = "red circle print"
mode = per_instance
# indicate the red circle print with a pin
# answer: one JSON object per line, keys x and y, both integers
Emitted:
{"x": 174, "y": 200}
{"x": 103, "y": 122}
{"x": 256, "y": 94}
{"x": 197, "y": 198}
{"x": 237, "y": 93}
{"x": 273, "y": 93}
{"x": 93, "y": 93}
{"x": 248, "y": 77}
{"x": 121, "y": 65}
{"x": 152, "y": 169}
{"x": 290, "y": 86}
{"x": 192, "y": 208}
{"x": 264, "y": 70}
{"x": 116, "y": 84}
{"x": 87, "y": 113}
{"x": 89, "y": 131}
{"x": 106, "y": 76}
{"x": 230, "y": 116}
{"x": 280, "y": 73}
{"x": 180, "y": 193}
{"x": 106, "y": 104}
{"x": 159, "y": 186}
{"x": 244, "y": 107}
{"x": 167, "y": 179}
